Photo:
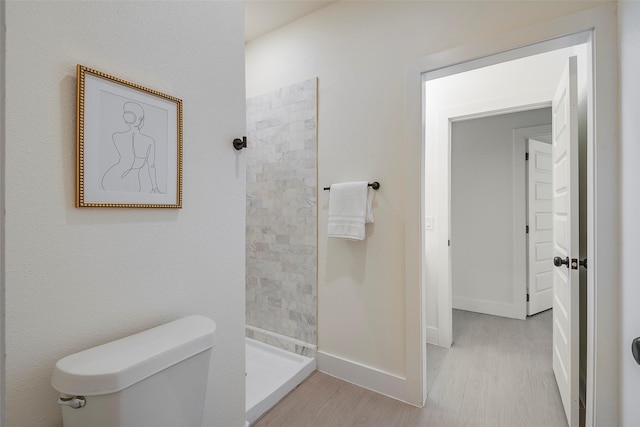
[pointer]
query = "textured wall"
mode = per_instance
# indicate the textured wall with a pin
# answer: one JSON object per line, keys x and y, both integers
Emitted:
{"x": 76, "y": 278}
{"x": 282, "y": 215}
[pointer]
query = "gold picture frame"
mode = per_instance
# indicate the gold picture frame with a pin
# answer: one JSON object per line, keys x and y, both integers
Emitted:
{"x": 120, "y": 164}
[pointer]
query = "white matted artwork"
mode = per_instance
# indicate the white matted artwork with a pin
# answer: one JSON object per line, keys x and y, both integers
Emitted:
{"x": 129, "y": 144}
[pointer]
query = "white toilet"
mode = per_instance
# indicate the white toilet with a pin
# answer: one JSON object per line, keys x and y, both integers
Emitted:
{"x": 157, "y": 378}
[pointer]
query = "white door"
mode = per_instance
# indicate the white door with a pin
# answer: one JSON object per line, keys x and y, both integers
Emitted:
{"x": 566, "y": 241}
{"x": 540, "y": 280}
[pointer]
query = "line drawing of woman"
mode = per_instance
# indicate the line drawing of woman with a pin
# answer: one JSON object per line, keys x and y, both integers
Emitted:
{"x": 135, "y": 170}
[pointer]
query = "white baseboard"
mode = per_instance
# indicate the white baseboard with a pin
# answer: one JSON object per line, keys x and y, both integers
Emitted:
{"x": 364, "y": 376}
{"x": 432, "y": 335}
{"x": 487, "y": 307}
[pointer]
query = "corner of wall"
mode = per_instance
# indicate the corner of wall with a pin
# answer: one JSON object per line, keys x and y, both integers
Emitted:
{"x": 3, "y": 33}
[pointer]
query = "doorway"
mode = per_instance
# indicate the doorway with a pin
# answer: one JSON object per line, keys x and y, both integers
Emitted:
{"x": 499, "y": 166}
{"x": 482, "y": 92}
{"x": 598, "y": 28}
{"x": 455, "y": 97}
{"x": 489, "y": 211}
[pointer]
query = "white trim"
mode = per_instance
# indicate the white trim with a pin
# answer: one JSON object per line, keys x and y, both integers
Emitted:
{"x": 603, "y": 383}
{"x": 363, "y": 376}
{"x": 432, "y": 336}
{"x": 3, "y": 49}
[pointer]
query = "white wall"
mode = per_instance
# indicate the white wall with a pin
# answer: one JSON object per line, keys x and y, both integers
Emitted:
{"x": 483, "y": 167}
{"x": 360, "y": 52}
{"x": 76, "y": 278}
{"x": 629, "y": 28}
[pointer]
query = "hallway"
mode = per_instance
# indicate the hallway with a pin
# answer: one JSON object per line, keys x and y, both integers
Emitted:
{"x": 497, "y": 373}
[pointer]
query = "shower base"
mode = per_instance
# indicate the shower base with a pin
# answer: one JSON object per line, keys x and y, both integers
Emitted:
{"x": 271, "y": 374}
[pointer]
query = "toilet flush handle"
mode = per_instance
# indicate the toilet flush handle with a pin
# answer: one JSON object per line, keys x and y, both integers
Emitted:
{"x": 75, "y": 402}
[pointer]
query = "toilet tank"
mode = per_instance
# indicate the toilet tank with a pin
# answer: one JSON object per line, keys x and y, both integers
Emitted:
{"x": 156, "y": 378}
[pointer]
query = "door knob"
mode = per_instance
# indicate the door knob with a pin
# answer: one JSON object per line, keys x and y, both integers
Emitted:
{"x": 557, "y": 261}
{"x": 635, "y": 349}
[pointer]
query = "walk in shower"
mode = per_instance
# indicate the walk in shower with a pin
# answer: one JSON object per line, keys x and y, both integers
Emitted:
{"x": 281, "y": 298}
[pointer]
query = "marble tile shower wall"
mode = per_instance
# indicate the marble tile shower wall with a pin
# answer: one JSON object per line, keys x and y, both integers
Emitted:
{"x": 282, "y": 190}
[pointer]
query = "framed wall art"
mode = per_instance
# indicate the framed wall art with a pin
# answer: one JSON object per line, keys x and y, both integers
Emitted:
{"x": 129, "y": 144}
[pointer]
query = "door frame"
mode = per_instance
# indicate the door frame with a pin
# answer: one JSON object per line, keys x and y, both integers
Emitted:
{"x": 2, "y": 210}
{"x": 599, "y": 25}
{"x": 525, "y": 135}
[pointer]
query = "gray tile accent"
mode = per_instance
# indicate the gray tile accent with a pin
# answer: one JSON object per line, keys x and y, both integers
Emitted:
{"x": 281, "y": 245}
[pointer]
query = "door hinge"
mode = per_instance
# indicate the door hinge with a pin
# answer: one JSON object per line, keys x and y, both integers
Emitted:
{"x": 527, "y": 297}
{"x": 448, "y": 242}
{"x": 527, "y": 229}
{"x": 526, "y": 156}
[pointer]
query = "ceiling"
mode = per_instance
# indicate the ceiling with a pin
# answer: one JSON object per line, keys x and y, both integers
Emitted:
{"x": 264, "y": 16}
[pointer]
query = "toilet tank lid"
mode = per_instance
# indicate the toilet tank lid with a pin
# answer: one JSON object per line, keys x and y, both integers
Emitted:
{"x": 119, "y": 364}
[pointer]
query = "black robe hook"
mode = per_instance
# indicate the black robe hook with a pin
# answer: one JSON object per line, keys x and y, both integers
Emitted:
{"x": 239, "y": 144}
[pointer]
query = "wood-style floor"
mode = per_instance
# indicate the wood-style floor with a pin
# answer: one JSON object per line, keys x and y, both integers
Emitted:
{"x": 497, "y": 373}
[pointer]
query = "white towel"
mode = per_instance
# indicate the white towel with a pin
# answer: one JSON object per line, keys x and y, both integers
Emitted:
{"x": 350, "y": 207}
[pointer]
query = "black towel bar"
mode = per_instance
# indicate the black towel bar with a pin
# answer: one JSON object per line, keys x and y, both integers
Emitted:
{"x": 375, "y": 185}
